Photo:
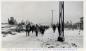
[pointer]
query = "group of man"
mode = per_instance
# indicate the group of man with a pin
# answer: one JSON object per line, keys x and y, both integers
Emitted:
{"x": 39, "y": 28}
{"x": 35, "y": 28}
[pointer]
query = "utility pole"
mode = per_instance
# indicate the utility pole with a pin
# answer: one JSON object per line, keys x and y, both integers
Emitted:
{"x": 61, "y": 21}
{"x": 52, "y": 17}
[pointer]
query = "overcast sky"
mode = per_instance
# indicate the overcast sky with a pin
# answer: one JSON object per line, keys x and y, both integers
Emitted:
{"x": 40, "y": 12}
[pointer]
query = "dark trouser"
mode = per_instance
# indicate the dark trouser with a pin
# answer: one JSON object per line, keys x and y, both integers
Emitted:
{"x": 36, "y": 33}
{"x": 27, "y": 33}
{"x": 42, "y": 31}
{"x": 53, "y": 30}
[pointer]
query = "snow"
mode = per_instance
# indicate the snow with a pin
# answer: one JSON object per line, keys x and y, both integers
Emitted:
{"x": 74, "y": 36}
{"x": 73, "y": 39}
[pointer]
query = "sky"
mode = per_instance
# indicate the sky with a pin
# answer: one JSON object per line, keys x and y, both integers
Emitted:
{"x": 40, "y": 11}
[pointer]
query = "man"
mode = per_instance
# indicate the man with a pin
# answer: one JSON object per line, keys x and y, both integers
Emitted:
{"x": 42, "y": 29}
{"x": 36, "y": 29}
{"x": 54, "y": 27}
{"x": 28, "y": 27}
{"x": 33, "y": 28}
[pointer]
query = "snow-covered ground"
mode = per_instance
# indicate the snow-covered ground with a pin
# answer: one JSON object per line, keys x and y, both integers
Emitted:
{"x": 73, "y": 39}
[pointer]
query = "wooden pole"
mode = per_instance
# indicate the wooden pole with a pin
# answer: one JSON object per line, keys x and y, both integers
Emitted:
{"x": 52, "y": 18}
{"x": 61, "y": 21}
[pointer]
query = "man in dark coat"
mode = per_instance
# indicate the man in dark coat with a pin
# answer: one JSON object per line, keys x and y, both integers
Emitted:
{"x": 28, "y": 27}
{"x": 36, "y": 29}
{"x": 42, "y": 29}
{"x": 54, "y": 27}
{"x": 32, "y": 28}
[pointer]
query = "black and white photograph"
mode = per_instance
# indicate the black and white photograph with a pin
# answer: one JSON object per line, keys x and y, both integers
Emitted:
{"x": 42, "y": 24}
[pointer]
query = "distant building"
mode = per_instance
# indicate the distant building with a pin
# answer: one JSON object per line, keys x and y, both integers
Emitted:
{"x": 79, "y": 25}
